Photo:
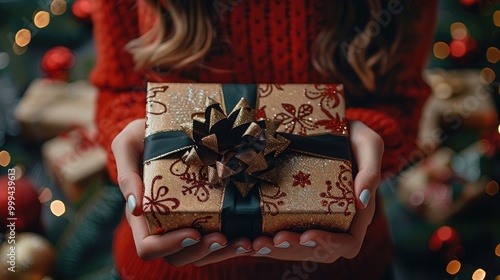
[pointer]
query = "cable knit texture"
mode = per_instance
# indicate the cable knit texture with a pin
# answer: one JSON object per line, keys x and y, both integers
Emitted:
{"x": 271, "y": 42}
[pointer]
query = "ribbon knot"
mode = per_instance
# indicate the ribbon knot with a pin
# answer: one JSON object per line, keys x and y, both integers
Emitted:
{"x": 236, "y": 149}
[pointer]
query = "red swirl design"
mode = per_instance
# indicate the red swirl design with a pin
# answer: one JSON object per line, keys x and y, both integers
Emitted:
{"x": 197, "y": 182}
{"x": 347, "y": 194}
{"x": 156, "y": 202}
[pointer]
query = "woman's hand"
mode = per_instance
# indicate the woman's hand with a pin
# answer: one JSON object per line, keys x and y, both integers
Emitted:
{"x": 325, "y": 247}
{"x": 178, "y": 247}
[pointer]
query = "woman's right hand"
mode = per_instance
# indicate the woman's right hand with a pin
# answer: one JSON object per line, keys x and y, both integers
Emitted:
{"x": 180, "y": 247}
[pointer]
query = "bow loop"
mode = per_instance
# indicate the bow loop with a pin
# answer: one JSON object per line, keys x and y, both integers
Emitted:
{"x": 237, "y": 149}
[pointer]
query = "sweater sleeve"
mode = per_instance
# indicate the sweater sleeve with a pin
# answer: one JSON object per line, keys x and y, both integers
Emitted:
{"x": 396, "y": 119}
{"x": 121, "y": 89}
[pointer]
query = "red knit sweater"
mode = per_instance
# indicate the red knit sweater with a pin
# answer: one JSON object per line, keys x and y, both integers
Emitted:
{"x": 271, "y": 42}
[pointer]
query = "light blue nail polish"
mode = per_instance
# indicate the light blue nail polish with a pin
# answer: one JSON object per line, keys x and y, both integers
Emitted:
{"x": 131, "y": 203}
{"x": 263, "y": 251}
{"x": 241, "y": 250}
{"x": 283, "y": 245}
{"x": 364, "y": 197}
{"x": 215, "y": 246}
{"x": 188, "y": 242}
{"x": 309, "y": 243}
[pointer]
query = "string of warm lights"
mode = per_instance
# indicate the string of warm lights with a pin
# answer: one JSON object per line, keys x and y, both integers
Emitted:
{"x": 57, "y": 207}
{"x": 462, "y": 42}
{"x": 41, "y": 19}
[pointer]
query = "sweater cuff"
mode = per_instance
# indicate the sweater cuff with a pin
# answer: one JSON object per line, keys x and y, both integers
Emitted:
{"x": 394, "y": 145}
{"x": 114, "y": 112}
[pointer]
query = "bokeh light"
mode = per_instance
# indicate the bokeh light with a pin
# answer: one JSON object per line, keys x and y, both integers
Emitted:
{"x": 492, "y": 188}
{"x": 57, "y": 208}
{"x": 417, "y": 198}
{"x": 483, "y": 146}
{"x": 492, "y": 55}
{"x": 458, "y": 48}
{"x": 497, "y": 250}
{"x": 81, "y": 8}
{"x": 4, "y": 158}
{"x": 58, "y": 7}
{"x": 445, "y": 233}
{"x": 458, "y": 31}
{"x": 487, "y": 75}
{"x": 453, "y": 267}
{"x": 496, "y": 18}
{"x": 479, "y": 274}
{"x": 41, "y": 19}
{"x": 44, "y": 195}
{"x": 19, "y": 169}
{"x": 23, "y": 37}
{"x": 441, "y": 50}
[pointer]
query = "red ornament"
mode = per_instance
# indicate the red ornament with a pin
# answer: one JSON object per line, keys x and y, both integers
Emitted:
{"x": 27, "y": 208}
{"x": 57, "y": 62}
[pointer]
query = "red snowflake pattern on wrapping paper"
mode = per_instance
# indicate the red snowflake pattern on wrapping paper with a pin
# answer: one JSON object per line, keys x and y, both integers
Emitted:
{"x": 334, "y": 123}
{"x": 272, "y": 202}
{"x": 296, "y": 118}
{"x": 346, "y": 188}
{"x": 198, "y": 222}
{"x": 268, "y": 89}
{"x": 329, "y": 97}
{"x": 155, "y": 107}
{"x": 301, "y": 179}
{"x": 156, "y": 203}
{"x": 197, "y": 181}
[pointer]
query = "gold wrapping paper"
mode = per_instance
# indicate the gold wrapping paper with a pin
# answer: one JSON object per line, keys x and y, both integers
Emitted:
{"x": 313, "y": 192}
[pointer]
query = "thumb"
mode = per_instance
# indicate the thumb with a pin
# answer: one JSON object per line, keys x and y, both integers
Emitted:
{"x": 368, "y": 149}
{"x": 127, "y": 149}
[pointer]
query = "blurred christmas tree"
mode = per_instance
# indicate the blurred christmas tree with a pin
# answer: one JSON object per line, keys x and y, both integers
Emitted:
{"x": 53, "y": 39}
{"x": 465, "y": 244}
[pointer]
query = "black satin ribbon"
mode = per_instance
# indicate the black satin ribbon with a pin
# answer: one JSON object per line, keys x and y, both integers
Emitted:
{"x": 242, "y": 216}
{"x": 330, "y": 146}
{"x": 165, "y": 143}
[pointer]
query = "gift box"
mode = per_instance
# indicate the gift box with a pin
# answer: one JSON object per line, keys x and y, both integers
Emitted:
{"x": 75, "y": 161}
{"x": 446, "y": 182}
{"x": 247, "y": 160}
{"x": 49, "y": 107}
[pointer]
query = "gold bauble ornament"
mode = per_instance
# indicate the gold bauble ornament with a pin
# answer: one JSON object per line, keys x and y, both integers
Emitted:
{"x": 30, "y": 257}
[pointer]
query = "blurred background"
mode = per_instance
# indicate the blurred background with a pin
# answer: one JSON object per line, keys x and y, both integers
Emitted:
{"x": 443, "y": 207}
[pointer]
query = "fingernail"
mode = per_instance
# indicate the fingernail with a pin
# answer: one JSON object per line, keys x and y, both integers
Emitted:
{"x": 283, "y": 245}
{"x": 188, "y": 242}
{"x": 215, "y": 246}
{"x": 263, "y": 251}
{"x": 309, "y": 243}
{"x": 364, "y": 197}
{"x": 241, "y": 250}
{"x": 131, "y": 203}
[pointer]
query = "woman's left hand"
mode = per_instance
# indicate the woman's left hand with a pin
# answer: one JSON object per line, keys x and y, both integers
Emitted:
{"x": 326, "y": 247}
